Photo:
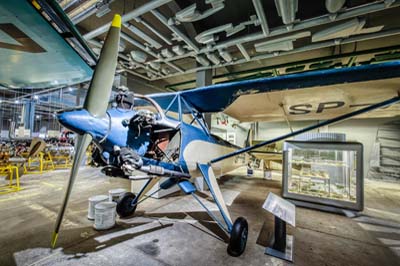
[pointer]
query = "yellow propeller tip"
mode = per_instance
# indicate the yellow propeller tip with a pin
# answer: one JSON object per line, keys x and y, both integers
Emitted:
{"x": 116, "y": 21}
{"x": 54, "y": 239}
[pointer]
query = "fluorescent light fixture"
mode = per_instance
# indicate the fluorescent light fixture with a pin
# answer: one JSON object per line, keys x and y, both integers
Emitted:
{"x": 333, "y": 6}
{"x": 274, "y": 47}
{"x": 344, "y": 30}
{"x": 280, "y": 44}
{"x": 287, "y": 10}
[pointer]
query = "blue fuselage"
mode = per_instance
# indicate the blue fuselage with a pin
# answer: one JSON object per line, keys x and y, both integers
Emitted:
{"x": 114, "y": 130}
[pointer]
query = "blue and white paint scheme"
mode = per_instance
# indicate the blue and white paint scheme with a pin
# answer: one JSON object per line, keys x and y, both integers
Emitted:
{"x": 179, "y": 116}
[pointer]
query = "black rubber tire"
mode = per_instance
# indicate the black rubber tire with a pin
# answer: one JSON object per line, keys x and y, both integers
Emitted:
{"x": 238, "y": 239}
{"x": 124, "y": 205}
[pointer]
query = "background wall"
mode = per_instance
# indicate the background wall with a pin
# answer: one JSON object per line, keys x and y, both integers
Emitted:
{"x": 360, "y": 130}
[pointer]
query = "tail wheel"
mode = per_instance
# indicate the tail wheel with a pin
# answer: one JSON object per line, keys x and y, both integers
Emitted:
{"x": 126, "y": 204}
{"x": 238, "y": 239}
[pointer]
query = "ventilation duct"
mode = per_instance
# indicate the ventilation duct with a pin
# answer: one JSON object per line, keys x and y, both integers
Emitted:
{"x": 138, "y": 56}
{"x": 165, "y": 71}
{"x": 191, "y": 14}
{"x": 155, "y": 65}
{"x": 179, "y": 50}
{"x": 225, "y": 55}
{"x": 208, "y": 35}
{"x": 333, "y": 6}
{"x": 287, "y": 10}
{"x": 202, "y": 60}
{"x": 166, "y": 53}
{"x": 213, "y": 58}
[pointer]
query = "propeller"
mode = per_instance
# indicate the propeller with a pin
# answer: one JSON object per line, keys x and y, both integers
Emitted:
{"x": 96, "y": 104}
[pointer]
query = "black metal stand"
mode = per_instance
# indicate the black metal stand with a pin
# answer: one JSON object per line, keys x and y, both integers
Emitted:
{"x": 281, "y": 244}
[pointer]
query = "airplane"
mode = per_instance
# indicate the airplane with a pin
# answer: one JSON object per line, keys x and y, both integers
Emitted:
{"x": 157, "y": 137}
{"x": 166, "y": 135}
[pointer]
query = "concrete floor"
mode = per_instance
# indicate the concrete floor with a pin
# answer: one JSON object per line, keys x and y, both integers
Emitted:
{"x": 166, "y": 231}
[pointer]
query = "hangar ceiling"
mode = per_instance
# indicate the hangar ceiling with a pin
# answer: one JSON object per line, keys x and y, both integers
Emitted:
{"x": 165, "y": 42}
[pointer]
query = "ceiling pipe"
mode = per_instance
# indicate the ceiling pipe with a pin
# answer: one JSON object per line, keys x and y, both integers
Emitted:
{"x": 261, "y": 16}
{"x": 175, "y": 30}
{"x": 314, "y": 46}
{"x": 84, "y": 15}
{"x": 67, "y": 3}
{"x": 87, "y": 9}
{"x": 350, "y": 13}
{"x": 244, "y": 52}
{"x": 128, "y": 16}
{"x": 142, "y": 35}
{"x": 312, "y": 22}
{"x": 296, "y": 63}
{"x": 82, "y": 8}
{"x": 132, "y": 41}
{"x": 153, "y": 30}
{"x": 147, "y": 50}
{"x": 180, "y": 70}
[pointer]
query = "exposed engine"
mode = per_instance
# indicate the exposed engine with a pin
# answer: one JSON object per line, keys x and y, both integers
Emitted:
{"x": 150, "y": 134}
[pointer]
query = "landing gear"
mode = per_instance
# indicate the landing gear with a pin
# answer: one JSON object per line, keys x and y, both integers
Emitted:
{"x": 237, "y": 242}
{"x": 126, "y": 204}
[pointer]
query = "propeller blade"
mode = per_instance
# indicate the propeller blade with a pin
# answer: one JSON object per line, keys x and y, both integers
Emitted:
{"x": 96, "y": 103}
{"x": 82, "y": 143}
{"x": 99, "y": 92}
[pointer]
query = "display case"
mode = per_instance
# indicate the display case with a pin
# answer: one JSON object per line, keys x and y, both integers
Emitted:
{"x": 324, "y": 175}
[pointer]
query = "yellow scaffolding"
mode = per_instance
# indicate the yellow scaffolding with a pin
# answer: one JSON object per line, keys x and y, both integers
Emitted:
{"x": 9, "y": 170}
{"x": 60, "y": 161}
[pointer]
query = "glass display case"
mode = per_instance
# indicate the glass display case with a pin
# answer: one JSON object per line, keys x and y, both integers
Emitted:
{"x": 324, "y": 174}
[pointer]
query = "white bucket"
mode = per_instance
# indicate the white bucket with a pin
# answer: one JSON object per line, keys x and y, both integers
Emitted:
{"x": 104, "y": 215}
{"x": 92, "y": 203}
{"x": 268, "y": 174}
{"x": 114, "y": 194}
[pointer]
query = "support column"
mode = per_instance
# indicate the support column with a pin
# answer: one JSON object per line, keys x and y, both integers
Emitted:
{"x": 203, "y": 78}
{"x": 78, "y": 96}
{"x": 28, "y": 119}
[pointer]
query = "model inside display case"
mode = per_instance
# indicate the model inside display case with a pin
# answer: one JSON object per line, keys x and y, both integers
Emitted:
{"x": 324, "y": 173}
